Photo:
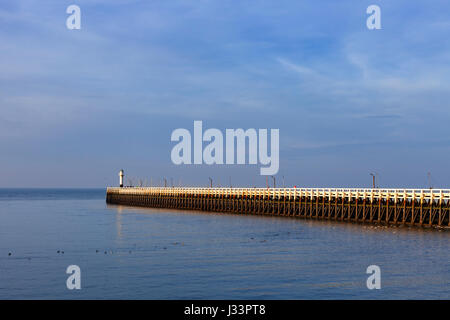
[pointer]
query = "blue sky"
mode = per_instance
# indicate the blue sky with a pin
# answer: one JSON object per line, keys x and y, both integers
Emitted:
{"x": 78, "y": 105}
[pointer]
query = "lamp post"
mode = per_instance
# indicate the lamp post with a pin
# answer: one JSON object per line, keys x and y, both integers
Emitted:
{"x": 429, "y": 180}
{"x": 373, "y": 180}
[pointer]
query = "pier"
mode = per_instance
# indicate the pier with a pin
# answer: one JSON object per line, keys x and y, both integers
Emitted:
{"x": 410, "y": 207}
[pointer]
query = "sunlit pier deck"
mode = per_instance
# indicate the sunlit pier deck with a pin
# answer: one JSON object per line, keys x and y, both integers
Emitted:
{"x": 412, "y": 207}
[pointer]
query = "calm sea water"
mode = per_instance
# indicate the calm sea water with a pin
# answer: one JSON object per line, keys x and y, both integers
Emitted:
{"x": 136, "y": 253}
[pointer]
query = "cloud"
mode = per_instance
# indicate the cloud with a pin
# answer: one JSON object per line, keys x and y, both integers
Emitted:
{"x": 313, "y": 71}
{"x": 304, "y": 71}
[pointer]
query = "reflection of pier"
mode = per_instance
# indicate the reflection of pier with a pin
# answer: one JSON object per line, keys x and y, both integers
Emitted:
{"x": 421, "y": 207}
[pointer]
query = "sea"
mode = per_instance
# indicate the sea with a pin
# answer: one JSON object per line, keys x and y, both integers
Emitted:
{"x": 145, "y": 253}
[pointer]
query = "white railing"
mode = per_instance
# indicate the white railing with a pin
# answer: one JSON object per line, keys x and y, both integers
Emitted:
{"x": 350, "y": 193}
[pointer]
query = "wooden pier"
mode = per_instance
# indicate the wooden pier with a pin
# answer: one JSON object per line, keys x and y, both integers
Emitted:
{"x": 412, "y": 207}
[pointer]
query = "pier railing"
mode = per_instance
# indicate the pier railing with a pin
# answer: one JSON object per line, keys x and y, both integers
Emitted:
{"x": 424, "y": 207}
{"x": 396, "y": 194}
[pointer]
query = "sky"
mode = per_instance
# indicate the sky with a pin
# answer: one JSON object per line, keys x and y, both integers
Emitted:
{"x": 79, "y": 105}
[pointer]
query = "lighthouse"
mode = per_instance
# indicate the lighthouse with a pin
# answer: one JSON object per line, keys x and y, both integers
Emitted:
{"x": 121, "y": 178}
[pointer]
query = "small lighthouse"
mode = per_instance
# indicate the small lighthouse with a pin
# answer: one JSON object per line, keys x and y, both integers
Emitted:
{"x": 121, "y": 178}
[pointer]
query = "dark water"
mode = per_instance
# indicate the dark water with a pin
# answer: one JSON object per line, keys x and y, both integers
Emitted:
{"x": 166, "y": 254}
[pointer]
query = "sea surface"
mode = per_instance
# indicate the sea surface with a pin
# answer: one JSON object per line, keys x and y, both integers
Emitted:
{"x": 140, "y": 253}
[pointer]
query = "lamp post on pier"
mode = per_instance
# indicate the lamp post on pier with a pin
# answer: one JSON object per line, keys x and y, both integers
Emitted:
{"x": 373, "y": 180}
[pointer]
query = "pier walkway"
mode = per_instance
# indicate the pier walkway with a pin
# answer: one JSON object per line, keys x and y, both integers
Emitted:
{"x": 413, "y": 207}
